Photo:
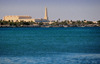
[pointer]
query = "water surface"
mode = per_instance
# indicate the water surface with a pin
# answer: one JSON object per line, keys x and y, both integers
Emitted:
{"x": 72, "y": 45}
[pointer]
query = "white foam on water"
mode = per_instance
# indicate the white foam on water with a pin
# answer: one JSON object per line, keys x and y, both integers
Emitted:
{"x": 55, "y": 59}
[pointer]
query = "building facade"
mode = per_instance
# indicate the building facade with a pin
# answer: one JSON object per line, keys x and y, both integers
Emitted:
{"x": 17, "y": 18}
{"x": 26, "y": 18}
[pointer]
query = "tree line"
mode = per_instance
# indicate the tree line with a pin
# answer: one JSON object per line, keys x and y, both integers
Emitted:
{"x": 68, "y": 23}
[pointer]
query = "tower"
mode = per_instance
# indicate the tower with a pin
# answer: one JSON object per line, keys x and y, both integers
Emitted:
{"x": 46, "y": 14}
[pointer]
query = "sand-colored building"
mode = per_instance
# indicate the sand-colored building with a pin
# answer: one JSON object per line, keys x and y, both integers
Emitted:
{"x": 18, "y": 18}
{"x": 26, "y": 18}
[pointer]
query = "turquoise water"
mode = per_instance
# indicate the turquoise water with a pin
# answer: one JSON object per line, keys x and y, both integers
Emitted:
{"x": 73, "y": 45}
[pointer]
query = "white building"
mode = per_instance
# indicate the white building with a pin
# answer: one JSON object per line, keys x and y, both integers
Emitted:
{"x": 26, "y": 18}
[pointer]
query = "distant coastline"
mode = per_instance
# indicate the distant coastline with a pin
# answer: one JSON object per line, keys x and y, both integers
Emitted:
{"x": 57, "y": 23}
{"x": 27, "y": 21}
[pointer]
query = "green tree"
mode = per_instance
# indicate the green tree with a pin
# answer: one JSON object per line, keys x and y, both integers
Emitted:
{"x": 98, "y": 22}
{"x": 17, "y": 24}
{"x": 4, "y": 22}
{"x": 89, "y": 22}
{"x": 11, "y": 23}
{"x": 26, "y": 23}
{"x": 63, "y": 23}
{"x": 40, "y": 23}
{"x": 31, "y": 22}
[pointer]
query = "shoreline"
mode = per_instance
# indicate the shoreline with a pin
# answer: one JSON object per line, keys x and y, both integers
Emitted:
{"x": 39, "y": 27}
{"x": 44, "y": 26}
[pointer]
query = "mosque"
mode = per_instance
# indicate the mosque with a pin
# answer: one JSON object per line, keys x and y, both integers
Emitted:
{"x": 26, "y": 18}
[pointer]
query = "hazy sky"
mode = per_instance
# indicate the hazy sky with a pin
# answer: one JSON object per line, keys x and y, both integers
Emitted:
{"x": 63, "y": 9}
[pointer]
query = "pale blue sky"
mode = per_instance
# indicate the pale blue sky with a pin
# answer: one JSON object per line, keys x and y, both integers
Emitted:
{"x": 63, "y": 9}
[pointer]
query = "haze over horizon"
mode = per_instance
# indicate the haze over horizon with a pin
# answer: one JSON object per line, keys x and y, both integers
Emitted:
{"x": 63, "y": 9}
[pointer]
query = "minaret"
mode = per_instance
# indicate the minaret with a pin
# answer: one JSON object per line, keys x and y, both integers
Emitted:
{"x": 46, "y": 14}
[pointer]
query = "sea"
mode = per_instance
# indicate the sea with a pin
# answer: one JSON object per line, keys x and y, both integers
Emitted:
{"x": 59, "y": 45}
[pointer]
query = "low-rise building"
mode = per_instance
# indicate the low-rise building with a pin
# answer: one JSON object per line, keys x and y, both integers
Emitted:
{"x": 26, "y": 18}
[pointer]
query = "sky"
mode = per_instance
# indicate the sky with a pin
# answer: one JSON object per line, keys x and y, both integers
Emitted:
{"x": 63, "y": 9}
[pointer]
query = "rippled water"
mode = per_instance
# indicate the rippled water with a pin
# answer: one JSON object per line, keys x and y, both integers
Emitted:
{"x": 72, "y": 45}
{"x": 71, "y": 58}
